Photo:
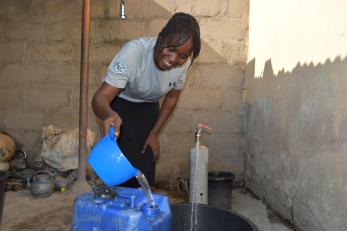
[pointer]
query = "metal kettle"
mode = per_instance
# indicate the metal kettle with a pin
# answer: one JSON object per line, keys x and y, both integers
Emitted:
{"x": 41, "y": 184}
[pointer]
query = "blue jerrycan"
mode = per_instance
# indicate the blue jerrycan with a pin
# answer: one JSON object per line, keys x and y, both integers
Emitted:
{"x": 108, "y": 161}
{"x": 128, "y": 211}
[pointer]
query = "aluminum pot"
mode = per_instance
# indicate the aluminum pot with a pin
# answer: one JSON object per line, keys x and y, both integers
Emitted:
{"x": 41, "y": 184}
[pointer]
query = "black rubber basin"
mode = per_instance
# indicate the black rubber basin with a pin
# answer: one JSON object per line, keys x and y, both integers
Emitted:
{"x": 200, "y": 217}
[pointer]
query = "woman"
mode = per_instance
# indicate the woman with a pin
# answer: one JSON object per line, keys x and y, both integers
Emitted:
{"x": 144, "y": 70}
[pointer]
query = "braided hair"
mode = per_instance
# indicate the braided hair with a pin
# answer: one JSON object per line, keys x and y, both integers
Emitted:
{"x": 177, "y": 31}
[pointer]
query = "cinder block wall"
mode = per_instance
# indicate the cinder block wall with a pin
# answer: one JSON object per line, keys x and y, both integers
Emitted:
{"x": 39, "y": 71}
{"x": 39, "y": 67}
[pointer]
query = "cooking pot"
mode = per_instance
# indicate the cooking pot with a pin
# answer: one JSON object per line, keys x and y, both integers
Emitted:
{"x": 41, "y": 184}
{"x": 19, "y": 160}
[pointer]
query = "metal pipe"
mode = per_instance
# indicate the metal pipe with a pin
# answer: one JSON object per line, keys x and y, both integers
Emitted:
{"x": 122, "y": 10}
{"x": 83, "y": 110}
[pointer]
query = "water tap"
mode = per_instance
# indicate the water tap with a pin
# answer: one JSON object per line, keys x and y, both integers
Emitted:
{"x": 199, "y": 129}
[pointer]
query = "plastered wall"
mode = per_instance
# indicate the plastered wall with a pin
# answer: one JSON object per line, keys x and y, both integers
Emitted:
{"x": 39, "y": 71}
{"x": 296, "y": 118}
{"x": 296, "y": 143}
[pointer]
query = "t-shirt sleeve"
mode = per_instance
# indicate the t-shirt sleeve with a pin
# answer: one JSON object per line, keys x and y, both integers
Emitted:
{"x": 182, "y": 79}
{"x": 123, "y": 66}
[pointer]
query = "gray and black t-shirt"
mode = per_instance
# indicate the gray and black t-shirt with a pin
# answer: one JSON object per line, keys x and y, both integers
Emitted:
{"x": 133, "y": 69}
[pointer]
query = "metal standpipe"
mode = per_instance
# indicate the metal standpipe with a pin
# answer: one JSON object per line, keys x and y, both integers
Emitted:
{"x": 81, "y": 184}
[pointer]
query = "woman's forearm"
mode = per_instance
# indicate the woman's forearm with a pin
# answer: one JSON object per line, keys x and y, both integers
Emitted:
{"x": 101, "y": 106}
{"x": 102, "y": 99}
{"x": 102, "y": 109}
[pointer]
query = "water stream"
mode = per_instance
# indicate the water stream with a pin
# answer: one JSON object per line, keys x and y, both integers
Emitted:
{"x": 194, "y": 193}
{"x": 193, "y": 217}
{"x": 145, "y": 186}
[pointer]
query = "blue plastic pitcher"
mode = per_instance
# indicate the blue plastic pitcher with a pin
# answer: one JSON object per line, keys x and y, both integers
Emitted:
{"x": 108, "y": 161}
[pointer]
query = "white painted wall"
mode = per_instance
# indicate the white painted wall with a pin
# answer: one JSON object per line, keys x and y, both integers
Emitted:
{"x": 292, "y": 31}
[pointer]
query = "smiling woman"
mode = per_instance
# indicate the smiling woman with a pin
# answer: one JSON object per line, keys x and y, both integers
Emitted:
{"x": 143, "y": 71}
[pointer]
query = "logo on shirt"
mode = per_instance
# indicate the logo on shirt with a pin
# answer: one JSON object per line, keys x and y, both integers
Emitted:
{"x": 119, "y": 66}
{"x": 172, "y": 84}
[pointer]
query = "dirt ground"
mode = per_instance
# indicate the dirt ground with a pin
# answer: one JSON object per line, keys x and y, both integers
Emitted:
{"x": 23, "y": 212}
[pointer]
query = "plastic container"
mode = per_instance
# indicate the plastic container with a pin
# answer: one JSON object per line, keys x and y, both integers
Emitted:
{"x": 3, "y": 178}
{"x": 198, "y": 167}
{"x": 201, "y": 217}
{"x": 220, "y": 185}
{"x": 108, "y": 161}
{"x": 128, "y": 211}
{"x": 198, "y": 164}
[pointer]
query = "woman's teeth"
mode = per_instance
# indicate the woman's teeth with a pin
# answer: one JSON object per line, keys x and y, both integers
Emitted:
{"x": 167, "y": 63}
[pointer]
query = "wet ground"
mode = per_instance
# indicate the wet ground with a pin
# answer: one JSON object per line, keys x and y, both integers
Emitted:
{"x": 23, "y": 212}
{"x": 244, "y": 203}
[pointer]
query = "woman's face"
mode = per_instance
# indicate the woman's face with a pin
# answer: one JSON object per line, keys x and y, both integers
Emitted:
{"x": 171, "y": 57}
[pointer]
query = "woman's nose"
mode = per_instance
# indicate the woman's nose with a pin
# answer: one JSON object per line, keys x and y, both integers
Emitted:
{"x": 173, "y": 58}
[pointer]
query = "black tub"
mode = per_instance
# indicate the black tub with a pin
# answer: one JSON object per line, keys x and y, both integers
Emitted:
{"x": 199, "y": 217}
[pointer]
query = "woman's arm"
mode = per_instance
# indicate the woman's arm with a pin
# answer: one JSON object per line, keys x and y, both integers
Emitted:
{"x": 166, "y": 109}
{"x": 102, "y": 109}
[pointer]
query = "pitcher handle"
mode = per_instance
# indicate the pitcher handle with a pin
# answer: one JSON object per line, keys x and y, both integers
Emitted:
{"x": 111, "y": 132}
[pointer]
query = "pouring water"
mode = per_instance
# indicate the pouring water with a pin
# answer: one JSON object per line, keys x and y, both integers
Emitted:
{"x": 145, "y": 186}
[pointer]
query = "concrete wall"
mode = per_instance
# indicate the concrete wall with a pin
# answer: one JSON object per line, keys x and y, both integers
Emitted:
{"x": 296, "y": 121}
{"x": 39, "y": 71}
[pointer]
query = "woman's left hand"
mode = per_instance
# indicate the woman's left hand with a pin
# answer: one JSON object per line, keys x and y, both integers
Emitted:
{"x": 153, "y": 142}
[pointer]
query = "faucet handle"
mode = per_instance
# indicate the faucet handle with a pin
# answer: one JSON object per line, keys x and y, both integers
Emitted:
{"x": 202, "y": 127}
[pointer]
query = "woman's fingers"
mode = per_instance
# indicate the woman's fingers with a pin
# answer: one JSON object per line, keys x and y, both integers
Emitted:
{"x": 112, "y": 121}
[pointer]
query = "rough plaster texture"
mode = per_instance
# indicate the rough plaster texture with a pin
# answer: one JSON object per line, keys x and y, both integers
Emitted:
{"x": 296, "y": 143}
{"x": 39, "y": 71}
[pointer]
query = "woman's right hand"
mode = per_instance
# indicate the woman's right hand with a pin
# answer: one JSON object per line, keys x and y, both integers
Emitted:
{"x": 112, "y": 120}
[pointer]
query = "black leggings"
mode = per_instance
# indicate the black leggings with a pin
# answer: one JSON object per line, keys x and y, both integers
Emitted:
{"x": 138, "y": 120}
